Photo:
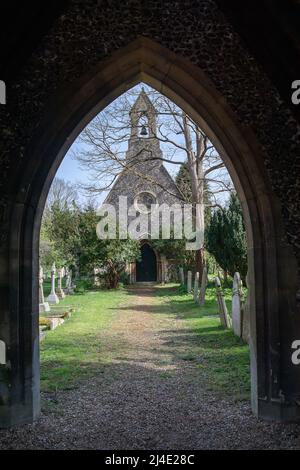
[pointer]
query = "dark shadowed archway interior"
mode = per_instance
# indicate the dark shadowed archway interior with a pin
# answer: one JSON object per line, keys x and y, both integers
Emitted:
{"x": 146, "y": 268}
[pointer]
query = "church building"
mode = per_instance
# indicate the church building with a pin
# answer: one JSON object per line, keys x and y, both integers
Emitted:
{"x": 146, "y": 182}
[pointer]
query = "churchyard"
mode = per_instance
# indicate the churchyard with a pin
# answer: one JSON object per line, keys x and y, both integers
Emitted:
{"x": 77, "y": 350}
{"x": 153, "y": 320}
{"x": 146, "y": 366}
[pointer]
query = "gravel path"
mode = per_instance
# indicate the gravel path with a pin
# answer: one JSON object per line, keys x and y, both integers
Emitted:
{"x": 147, "y": 398}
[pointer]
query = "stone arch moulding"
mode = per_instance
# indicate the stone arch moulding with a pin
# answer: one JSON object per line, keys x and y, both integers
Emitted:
{"x": 275, "y": 381}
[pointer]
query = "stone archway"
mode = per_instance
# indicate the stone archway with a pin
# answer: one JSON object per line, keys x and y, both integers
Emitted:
{"x": 275, "y": 381}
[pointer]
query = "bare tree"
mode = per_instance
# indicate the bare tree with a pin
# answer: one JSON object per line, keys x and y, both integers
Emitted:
{"x": 62, "y": 193}
{"x": 102, "y": 151}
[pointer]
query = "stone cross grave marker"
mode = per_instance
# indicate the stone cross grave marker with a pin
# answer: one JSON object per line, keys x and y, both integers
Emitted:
{"x": 43, "y": 306}
{"x": 52, "y": 298}
{"x": 60, "y": 291}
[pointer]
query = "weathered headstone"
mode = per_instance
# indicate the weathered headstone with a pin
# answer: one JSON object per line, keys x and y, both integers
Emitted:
{"x": 65, "y": 276}
{"x": 237, "y": 305}
{"x": 2, "y": 352}
{"x": 246, "y": 314}
{"x": 189, "y": 281}
{"x": 196, "y": 287}
{"x": 224, "y": 317}
{"x": 69, "y": 282}
{"x": 55, "y": 322}
{"x": 97, "y": 282}
{"x": 203, "y": 286}
{"x": 2, "y": 92}
{"x": 66, "y": 289}
{"x": 43, "y": 306}
{"x": 60, "y": 291}
{"x": 181, "y": 276}
{"x": 52, "y": 298}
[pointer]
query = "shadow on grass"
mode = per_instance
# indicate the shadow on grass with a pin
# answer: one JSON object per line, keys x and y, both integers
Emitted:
{"x": 86, "y": 346}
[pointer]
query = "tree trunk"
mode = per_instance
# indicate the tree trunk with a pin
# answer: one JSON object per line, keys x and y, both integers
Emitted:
{"x": 195, "y": 166}
{"x": 200, "y": 262}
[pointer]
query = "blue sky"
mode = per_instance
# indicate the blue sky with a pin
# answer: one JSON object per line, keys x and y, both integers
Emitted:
{"x": 71, "y": 171}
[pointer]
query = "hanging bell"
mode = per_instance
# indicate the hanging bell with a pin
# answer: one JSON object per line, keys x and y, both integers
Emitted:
{"x": 144, "y": 130}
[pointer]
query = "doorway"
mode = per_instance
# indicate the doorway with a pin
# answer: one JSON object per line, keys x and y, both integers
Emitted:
{"x": 146, "y": 270}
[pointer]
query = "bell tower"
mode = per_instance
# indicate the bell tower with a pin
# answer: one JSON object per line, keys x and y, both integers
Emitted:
{"x": 143, "y": 140}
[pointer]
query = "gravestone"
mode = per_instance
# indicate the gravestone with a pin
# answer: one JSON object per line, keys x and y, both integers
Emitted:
{"x": 55, "y": 322}
{"x": 65, "y": 275}
{"x": 237, "y": 305}
{"x": 196, "y": 287}
{"x": 60, "y": 291}
{"x": 2, "y": 353}
{"x": 224, "y": 317}
{"x": 43, "y": 306}
{"x": 203, "y": 287}
{"x": 66, "y": 289}
{"x": 2, "y": 92}
{"x": 69, "y": 282}
{"x": 189, "y": 281}
{"x": 52, "y": 298}
{"x": 181, "y": 276}
{"x": 97, "y": 281}
{"x": 72, "y": 284}
{"x": 246, "y": 314}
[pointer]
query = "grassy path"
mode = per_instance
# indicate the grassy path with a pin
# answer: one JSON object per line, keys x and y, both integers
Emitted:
{"x": 94, "y": 337}
{"x": 145, "y": 369}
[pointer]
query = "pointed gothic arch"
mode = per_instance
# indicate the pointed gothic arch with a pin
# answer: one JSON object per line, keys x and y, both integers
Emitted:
{"x": 275, "y": 382}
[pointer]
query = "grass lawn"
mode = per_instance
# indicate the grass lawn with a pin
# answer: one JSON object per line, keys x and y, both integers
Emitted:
{"x": 73, "y": 351}
{"x": 223, "y": 357}
{"x": 77, "y": 349}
